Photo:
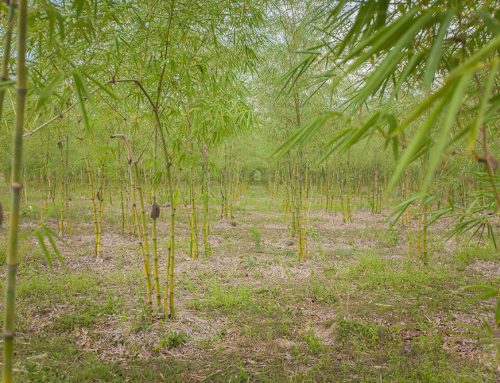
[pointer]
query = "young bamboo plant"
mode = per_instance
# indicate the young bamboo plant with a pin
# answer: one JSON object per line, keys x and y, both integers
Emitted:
{"x": 95, "y": 209}
{"x": 140, "y": 218}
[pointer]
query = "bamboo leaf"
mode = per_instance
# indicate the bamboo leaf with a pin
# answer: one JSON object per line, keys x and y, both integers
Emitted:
{"x": 302, "y": 135}
{"x": 401, "y": 208}
{"x": 380, "y": 40}
{"x": 497, "y": 312}
{"x": 360, "y": 132}
{"x": 50, "y": 236}
{"x": 437, "y": 49}
{"x": 82, "y": 95}
{"x": 334, "y": 143}
{"x": 49, "y": 90}
{"x": 43, "y": 246}
{"x": 492, "y": 24}
{"x": 101, "y": 86}
{"x": 6, "y": 84}
{"x": 410, "y": 67}
{"x": 483, "y": 104}
{"x": 488, "y": 292}
{"x": 450, "y": 81}
{"x": 449, "y": 120}
{"x": 377, "y": 77}
{"x": 415, "y": 145}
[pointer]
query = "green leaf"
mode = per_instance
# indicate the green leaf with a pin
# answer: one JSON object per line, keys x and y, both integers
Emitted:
{"x": 492, "y": 24}
{"x": 49, "y": 90}
{"x": 380, "y": 40}
{"x": 334, "y": 143}
{"x": 6, "y": 84}
{"x": 102, "y": 86}
{"x": 401, "y": 208}
{"x": 50, "y": 236}
{"x": 360, "y": 132}
{"x": 437, "y": 49}
{"x": 483, "y": 104}
{"x": 415, "y": 145}
{"x": 82, "y": 94}
{"x": 410, "y": 67}
{"x": 303, "y": 134}
{"x": 497, "y": 312}
{"x": 488, "y": 292}
{"x": 449, "y": 120}
{"x": 377, "y": 77}
{"x": 43, "y": 246}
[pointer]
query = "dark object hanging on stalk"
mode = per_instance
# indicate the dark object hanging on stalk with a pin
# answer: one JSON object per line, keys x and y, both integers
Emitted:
{"x": 155, "y": 211}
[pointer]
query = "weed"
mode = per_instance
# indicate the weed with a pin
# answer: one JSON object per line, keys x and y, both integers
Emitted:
{"x": 256, "y": 238}
{"x": 172, "y": 340}
{"x": 314, "y": 343}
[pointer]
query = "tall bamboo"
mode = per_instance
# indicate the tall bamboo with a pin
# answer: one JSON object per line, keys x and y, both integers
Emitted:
{"x": 6, "y": 50}
{"x": 139, "y": 217}
{"x": 204, "y": 192}
{"x": 94, "y": 207}
{"x": 100, "y": 201}
{"x": 193, "y": 246}
{"x": 154, "y": 216}
{"x": 17, "y": 160}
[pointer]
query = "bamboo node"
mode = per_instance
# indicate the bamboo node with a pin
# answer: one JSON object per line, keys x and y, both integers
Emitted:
{"x": 16, "y": 186}
{"x": 9, "y": 335}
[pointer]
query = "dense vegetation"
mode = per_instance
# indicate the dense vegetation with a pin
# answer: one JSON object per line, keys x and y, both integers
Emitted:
{"x": 250, "y": 190}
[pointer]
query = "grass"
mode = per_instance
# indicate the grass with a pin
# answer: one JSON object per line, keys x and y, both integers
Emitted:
{"x": 358, "y": 311}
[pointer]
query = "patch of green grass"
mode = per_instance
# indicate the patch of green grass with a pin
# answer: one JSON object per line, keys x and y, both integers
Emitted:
{"x": 225, "y": 298}
{"x": 256, "y": 238}
{"x": 44, "y": 288}
{"x": 351, "y": 331}
{"x": 2, "y": 253}
{"x": 319, "y": 291}
{"x": 250, "y": 261}
{"x": 229, "y": 297}
{"x": 59, "y": 359}
{"x": 314, "y": 343}
{"x": 374, "y": 272}
{"x": 342, "y": 252}
{"x": 87, "y": 314}
{"x": 172, "y": 340}
{"x": 465, "y": 257}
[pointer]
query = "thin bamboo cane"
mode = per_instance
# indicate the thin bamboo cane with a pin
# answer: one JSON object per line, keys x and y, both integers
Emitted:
{"x": 94, "y": 206}
{"x": 6, "y": 50}
{"x": 204, "y": 192}
{"x": 154, "y": 216}
{"x": 17, "y": 160}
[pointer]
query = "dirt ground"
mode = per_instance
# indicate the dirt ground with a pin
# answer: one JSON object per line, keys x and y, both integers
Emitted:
{"x": 360, "y": 309}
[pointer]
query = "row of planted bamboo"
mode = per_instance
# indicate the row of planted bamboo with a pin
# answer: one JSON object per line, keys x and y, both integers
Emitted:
{"x": 139, "y": 189}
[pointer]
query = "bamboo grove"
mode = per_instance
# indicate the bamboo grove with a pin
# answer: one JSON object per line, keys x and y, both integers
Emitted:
{"x": 170, "y": 111}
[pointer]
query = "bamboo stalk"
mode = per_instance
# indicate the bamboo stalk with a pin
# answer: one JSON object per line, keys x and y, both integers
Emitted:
{"x": 100, "y": 201}
{"x": 94, "y": 207}
{"x": 171, "y": 249}
{"x": 204, "y": 192}
{"x": 17, "y": 160}
{"x": 155, "y": 262}
{"x": 139, "y": 218}
{"x": 193, "y": 247}
{"x": 154, "y": 215}
{"x": 6, "y": 50}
